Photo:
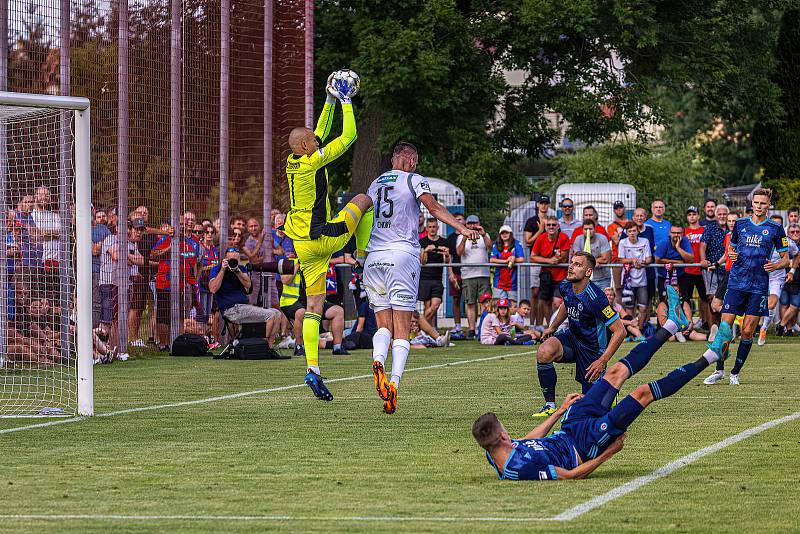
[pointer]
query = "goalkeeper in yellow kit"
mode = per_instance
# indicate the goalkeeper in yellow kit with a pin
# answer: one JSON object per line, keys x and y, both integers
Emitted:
{"x": 316, "y": 234}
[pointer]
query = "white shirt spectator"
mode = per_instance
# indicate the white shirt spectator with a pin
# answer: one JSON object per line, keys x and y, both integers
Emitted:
{"x": 474, "y": 252}
{"x": 50, "y": 222}
{"x": 108, "y": 266}
{"x": 517, "y": 320}
{"x": 636, "y": 251}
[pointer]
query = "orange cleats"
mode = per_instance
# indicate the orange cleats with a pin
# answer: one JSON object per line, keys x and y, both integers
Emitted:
{"x": 390, "y": 404}
{"x": 381, "y": 384}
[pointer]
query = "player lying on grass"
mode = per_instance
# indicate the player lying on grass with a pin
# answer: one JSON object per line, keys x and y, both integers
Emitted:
{"x": 591, "y": 430}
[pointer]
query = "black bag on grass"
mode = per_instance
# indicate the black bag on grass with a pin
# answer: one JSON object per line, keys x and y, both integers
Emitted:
{"x": 254, "y": 348}
{"x": 190, "y": 345}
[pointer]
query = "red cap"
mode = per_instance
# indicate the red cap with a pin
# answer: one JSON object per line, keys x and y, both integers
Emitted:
{"x": 502, "y": 303}
{"x": 483, "y": 298}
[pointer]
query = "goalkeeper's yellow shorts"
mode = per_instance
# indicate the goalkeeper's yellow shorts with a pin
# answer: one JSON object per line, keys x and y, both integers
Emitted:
{"x": 314, "y": 255}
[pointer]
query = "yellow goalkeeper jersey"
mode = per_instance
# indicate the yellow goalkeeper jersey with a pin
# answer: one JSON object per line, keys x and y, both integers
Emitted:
{"x": 309, "y": 206}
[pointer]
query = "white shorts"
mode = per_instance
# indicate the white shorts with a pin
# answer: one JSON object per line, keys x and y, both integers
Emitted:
{"x": 776, "y": 281}
{"x": 391, "y": 280}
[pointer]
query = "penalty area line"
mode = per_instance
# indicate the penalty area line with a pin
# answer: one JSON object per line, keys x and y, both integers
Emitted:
{"x": 636, "y": 483}
{"x": 231, "y": 396}
{"x": 268, "y": 518}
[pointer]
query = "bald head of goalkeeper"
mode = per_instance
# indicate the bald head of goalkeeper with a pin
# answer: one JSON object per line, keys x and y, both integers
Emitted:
{"x": 302, "y": 141}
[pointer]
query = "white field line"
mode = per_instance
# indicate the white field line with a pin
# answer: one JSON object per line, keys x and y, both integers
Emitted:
{"x": 266, "y": 518}
{"x": 208, "y": 400}
{"x": 633, "y": 485}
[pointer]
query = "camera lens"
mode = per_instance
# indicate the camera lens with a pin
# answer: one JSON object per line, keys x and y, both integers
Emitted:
{"x": 233, "y": 263}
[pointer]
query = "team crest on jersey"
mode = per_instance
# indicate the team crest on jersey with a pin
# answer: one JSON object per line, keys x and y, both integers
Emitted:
{"x": 765, "y": 232}
{"x": 603, "y": 427}
{"x": 580, "y": 306}
{"x": 387, "y": 179}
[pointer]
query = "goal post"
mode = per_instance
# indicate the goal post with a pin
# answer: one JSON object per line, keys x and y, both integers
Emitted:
{"x": 46, "y": 339}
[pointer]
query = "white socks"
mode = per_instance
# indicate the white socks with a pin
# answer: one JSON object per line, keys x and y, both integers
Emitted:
{"x": 380, "y": 345}
{"x": 710, "y": 356}
{"x": 400, "y": 348}
{"x": 670, "y": 326}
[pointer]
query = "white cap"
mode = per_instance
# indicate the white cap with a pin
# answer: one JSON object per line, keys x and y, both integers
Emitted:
{"x": 505, "y": 228}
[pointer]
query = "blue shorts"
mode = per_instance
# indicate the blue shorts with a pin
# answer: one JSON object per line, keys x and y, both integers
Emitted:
{"x": 587, "y": 421}
{"x": 743, "y": 303}
{"x": 581, "y": 356}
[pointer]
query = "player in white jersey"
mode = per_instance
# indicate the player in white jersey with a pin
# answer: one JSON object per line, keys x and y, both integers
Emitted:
{"x": 777, "y": 279}
{"x": 391, "y": 270}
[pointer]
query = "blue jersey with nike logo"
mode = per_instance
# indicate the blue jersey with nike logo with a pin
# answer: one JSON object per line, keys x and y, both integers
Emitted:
{"x": 589, "y": 313}
{"x": 754, "y": 244}
{"x": 537, "y": 459}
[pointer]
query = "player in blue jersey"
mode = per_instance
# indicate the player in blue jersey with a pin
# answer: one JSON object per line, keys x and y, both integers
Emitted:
{"x": 586, "y": 342}
{"x": 591, "y": 430}
{"x": 753, "y": 240}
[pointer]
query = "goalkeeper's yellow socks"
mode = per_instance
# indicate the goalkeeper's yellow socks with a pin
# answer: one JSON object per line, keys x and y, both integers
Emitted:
{"x": 311, "y": 323}
{"x": 363, "y": 231}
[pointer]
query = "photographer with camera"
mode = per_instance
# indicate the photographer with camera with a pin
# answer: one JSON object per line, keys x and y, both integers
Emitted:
{"x": 230, "y": 283}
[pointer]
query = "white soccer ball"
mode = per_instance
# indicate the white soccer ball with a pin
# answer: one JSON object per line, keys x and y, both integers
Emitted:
{"x": 351, "y": 79}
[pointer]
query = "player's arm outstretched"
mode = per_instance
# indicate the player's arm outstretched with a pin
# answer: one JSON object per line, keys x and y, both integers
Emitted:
{"x": 441, "y": 213}
{"x": 338, "y": 146}
{"x": 586, "y": 468}
{"x": 544, "y": 428}
{"x": 618, "y": 334}
{"x": 561, "y": 315}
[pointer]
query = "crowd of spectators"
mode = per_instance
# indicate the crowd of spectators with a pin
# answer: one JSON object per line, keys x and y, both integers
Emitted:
{"x": 636, "y": 259}
{"x": 481, "y": 275}
{"x": 221, "y": 284}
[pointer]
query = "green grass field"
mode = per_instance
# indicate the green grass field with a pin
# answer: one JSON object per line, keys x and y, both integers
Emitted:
{"x": 278, "y": 460}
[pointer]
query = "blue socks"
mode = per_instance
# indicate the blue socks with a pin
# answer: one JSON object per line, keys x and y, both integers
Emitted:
{"x": 641, "y": 354}
{"x": 678, "y": 378}
{"x": 741, "y": 355}
{"x": 547, "y": 380}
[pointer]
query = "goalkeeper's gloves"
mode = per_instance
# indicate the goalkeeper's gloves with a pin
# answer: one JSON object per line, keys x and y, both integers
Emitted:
{"x": 342, "y": 90}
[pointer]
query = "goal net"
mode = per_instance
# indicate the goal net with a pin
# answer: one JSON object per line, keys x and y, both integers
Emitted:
{"x": 45, "y": 265}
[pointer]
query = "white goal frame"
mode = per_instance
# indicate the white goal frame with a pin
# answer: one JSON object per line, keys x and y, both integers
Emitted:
{"x": 80, "y": 109}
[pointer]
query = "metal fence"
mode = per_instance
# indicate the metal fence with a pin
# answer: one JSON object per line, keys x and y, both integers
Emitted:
{"x": 192, "y": 102}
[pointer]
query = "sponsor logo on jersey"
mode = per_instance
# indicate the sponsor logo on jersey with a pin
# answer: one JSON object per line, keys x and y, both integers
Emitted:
{"x": 608, "y": 312}
{"x": 383, "y": 224}
{"x": 753, "y": 240}
{"x": 542, "y": 475}
{"x": 425, "y": 185}
{"x": 784, "y": 242}
{"x": 292, "y": 165}
{"x": 574, "y": 313}
{"x": 387, "y": 179}
{"x": 406, "y": 297}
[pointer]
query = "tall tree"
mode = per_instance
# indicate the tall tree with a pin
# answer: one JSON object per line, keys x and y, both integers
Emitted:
{"x": 778, "y": 141}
